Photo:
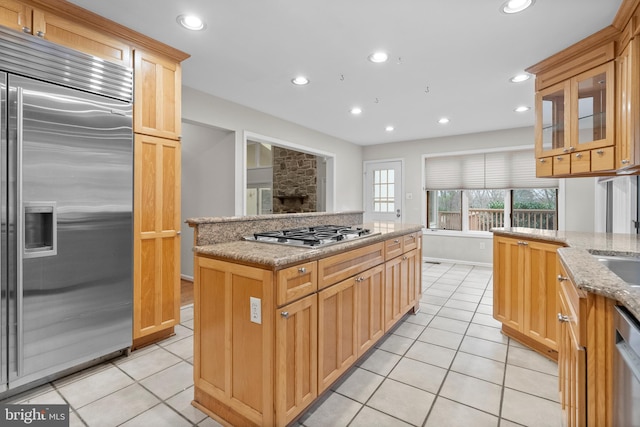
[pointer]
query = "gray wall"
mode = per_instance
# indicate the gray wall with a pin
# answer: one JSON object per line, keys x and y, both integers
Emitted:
{"x": 578, "y": 208}
{"x": 207, "y": 175}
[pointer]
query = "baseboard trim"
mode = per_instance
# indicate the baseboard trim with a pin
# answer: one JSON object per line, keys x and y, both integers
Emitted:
{"x": 455, "y": 261}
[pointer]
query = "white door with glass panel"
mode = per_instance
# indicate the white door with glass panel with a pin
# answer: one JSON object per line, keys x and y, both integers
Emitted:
{"x": 383, "y": 190}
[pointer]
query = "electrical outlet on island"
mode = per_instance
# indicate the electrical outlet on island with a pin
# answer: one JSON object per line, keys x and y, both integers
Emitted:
{"x": 256, "y": 310}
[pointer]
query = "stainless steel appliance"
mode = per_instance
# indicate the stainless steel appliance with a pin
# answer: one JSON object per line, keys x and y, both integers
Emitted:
{"x": 66, "y": 209}
{"x": 626, "y": 360}
{"x": 311, "y": 237}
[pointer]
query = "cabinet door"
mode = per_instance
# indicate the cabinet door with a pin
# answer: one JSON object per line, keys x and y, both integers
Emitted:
{"x": 572, "y": 372}
{"x": 370, "y": 308}
{"x": 157, "y": 109}
{"x": 540, "y": 298}
{"x": 15, "y": 15}
{"x": 76, "y": 36}
{"x": 337, "y": 349}
{"x": 627, "y": 137}
{"x": 508, "y": 260}
{"x": 552, "y": 120}
{"x": 393, "y": 292}
{"x": 296, "y": 358}
{"x": 156, "y": 235}
{"x": 592, "y": 108}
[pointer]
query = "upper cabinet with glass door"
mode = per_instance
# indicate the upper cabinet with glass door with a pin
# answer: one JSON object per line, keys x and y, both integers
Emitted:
{"x": 575, "y": 114}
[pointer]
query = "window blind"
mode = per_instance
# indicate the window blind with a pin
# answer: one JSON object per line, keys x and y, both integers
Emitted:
{"x": 499, "y": 170}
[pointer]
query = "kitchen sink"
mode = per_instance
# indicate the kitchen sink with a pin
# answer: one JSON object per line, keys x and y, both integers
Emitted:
{"x": 626, "y": 268}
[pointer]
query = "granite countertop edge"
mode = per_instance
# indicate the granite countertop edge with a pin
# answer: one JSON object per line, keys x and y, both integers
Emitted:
{"x": 274, "y": 256}
{"x": 248, "y": 218}
{"x": 582, "y": 266}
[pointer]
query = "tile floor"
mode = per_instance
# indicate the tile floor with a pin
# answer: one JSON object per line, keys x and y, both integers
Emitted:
{"x": 449, "y": 365}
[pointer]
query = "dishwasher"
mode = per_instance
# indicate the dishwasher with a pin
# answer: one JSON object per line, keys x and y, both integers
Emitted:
{"x": 626, "y": 379}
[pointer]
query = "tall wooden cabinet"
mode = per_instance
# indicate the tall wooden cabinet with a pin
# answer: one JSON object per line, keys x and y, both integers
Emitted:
{"x": 157, "y": 118}
{"x": 525, "y": 295}
{"x": 157, "y": 237}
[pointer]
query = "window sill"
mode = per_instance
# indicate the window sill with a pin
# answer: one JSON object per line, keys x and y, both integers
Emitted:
{"x": 456, "y": 233}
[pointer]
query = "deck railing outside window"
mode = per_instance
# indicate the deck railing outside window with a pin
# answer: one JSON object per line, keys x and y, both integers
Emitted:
{"x": 486, "y": 219}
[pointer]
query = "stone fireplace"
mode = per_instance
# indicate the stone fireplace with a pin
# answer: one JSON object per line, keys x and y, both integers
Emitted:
{"x": 294, "y": 181}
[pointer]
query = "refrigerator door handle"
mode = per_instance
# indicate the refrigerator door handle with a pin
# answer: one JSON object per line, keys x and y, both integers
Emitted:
{"x": 20, "y": 236}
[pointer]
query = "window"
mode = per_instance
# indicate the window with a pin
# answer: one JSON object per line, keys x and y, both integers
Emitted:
{"x": 383, "y": 190}
{"x": 535, "y": 208}
{"x": 444, "y": 209}
{"x": 481, "y": 191}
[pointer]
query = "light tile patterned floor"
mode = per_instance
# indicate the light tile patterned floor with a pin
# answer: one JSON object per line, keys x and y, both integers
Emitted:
{"x": 449, "y": 365}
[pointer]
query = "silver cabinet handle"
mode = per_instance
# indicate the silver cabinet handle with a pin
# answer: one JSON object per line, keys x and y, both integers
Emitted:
{"x": 405, "y": 258}
{"x": 565, "y": 150}
{"x": 285, "y": 314}
{"x": 359, "y": 279}
{"x": 396, "y": 241}
{"x": 302, "y": 270}
{"x": 26, "y": 30}
{"x": 178, "y": 233}
{"x": 572, "y": 148}
{"x": 625, "y": 161}
{"x": 562, "y": 318}
{"x": 40, "y": 34}
{"x": 559, "y": 158}
{"x": 520, "y": 242}
{"x": 561, "y": 278}
{"x": 543, "y": 160}
{"x": 579, "y": 155}
{"x": 601, "y": 152}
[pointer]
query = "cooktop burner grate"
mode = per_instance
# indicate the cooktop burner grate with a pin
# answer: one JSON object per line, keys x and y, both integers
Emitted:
{"x": 311, "y": 236}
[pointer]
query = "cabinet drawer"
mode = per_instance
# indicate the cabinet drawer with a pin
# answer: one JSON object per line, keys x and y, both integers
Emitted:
{"x": 393, "y": 248}
{"x": 339, "y": 267}
{"x": 576, "y": 301}
{"x": 562, "y": 165}
{"x": 581, "y": 162}
{"x": 296, "y": 282}
{"x": 410, "y": 242}
{"x": 602, "y": 159}
{"x": 544, "y": 167}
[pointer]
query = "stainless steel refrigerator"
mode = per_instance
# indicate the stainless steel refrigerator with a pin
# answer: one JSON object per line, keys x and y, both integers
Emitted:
{"x": 66, "y": 196}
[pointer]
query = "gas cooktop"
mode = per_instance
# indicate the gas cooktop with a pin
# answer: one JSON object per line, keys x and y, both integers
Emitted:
{"x": 311, "y": 237}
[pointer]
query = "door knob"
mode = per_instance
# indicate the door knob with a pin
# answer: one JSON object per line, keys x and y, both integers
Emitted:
{"x": 398, "y": 213}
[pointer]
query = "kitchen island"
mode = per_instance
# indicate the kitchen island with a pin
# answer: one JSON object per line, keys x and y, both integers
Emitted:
{"x": 552, "y": 294}
{"x": 276, "y": 325}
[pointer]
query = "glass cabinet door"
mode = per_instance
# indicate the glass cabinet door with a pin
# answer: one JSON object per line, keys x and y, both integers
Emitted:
{"x": 552, "y": 118}
{"x": 593, "y": 100}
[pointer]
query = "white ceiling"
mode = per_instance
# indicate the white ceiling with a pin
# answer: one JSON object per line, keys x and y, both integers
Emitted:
{"x": 461, "y": 52}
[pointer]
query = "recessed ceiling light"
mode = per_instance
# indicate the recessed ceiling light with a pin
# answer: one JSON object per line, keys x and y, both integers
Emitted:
{"x": 191, "y": 22}
{"x": 389, "y": 128}
{"x": 520, "y": 78}
{"x": 443, "y": 121}
{"x": 522, "y": 109}
{"x": 378, "y": 57}
{"x": 515, "y": 6}
{"x": 356, "y": 110}
{"x": 300, "y": 81}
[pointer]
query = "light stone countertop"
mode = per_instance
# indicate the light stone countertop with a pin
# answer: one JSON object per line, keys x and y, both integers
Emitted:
{"x": 586, "y": 272}
{"x": 274, "y": 256}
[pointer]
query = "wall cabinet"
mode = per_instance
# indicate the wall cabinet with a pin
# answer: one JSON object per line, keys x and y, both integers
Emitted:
{"x": 628, "y": 126}
{"x": 318, "y": 318}
{"x": 157, "y": 94}
{"x": 525, "y": 296}
{"x": 575, "y": 122}
{"x": 65, "y": 32}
